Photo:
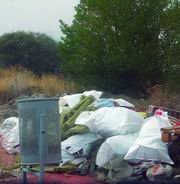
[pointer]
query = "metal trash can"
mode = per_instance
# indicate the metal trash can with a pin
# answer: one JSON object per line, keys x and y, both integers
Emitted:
{"x": 36, "y": 117}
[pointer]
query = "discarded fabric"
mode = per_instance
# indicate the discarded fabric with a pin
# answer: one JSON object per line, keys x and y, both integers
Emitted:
{"x": 159, "y": 172}
{"x": 68, "y": 127}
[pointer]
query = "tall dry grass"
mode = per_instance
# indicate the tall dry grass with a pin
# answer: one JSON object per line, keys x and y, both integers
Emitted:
{"x": 161, "y": 96}
{"x": 17, "y": 81}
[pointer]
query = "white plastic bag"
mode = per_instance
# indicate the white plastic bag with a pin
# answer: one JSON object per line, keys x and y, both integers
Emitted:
{"x": 111, "y": 121}
{"x": 103, "y": 102}
{"x": 94, "y": 93}
{"x": 72, "y": 100}
{"x": 115, "y": 147}
{"x": 9, "y": 132}
{"x": 77, "y": 146}
{"x": 149, "y": 145}
{"x": 119, "y": 170}
{"x": 110, "y": 102}
{"x": 7, "y": 125}
{"x": 123, "y": 103}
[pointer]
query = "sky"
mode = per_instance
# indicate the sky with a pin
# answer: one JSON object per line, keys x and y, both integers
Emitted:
{"x": 36, "y": 15}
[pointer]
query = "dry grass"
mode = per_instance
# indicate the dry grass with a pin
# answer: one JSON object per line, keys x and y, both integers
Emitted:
{"x": 17, "y": 81}
{"x": 158, "y": 96}
{"x": 162, "y": 96}
{"x": 51, "y": 85}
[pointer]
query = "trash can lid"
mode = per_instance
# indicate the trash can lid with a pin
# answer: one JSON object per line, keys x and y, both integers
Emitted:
{"x": 37, "y": 99}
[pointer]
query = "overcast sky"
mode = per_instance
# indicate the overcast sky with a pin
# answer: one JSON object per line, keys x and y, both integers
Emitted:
{"x": 36, "y": 15}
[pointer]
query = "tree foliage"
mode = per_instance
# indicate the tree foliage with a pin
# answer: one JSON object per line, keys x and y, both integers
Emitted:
{"x": 122, "y": 44}
{"x": 34, "y": 51}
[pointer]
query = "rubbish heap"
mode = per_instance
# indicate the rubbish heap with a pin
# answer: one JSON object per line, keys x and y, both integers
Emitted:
{"x": 106, "y": 137}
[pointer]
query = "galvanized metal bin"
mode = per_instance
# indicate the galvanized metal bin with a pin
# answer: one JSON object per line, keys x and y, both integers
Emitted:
{"x": 37, "y": 117}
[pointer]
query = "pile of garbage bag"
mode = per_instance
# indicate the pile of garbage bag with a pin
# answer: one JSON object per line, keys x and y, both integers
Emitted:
{"x": 9, "y": 135}
{"x": 106, "y": 136}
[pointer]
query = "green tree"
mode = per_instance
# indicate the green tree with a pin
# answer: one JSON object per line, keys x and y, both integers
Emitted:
{"x": 119, "y": 45}
{"x": 34, "y": 51}
{"x": 170, "y": 45}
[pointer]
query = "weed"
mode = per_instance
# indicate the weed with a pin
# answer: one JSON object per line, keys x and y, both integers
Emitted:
{"x": 17, "y": 81}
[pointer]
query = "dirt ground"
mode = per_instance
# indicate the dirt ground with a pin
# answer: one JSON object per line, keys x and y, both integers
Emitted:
{"x": 6, "y": 160}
